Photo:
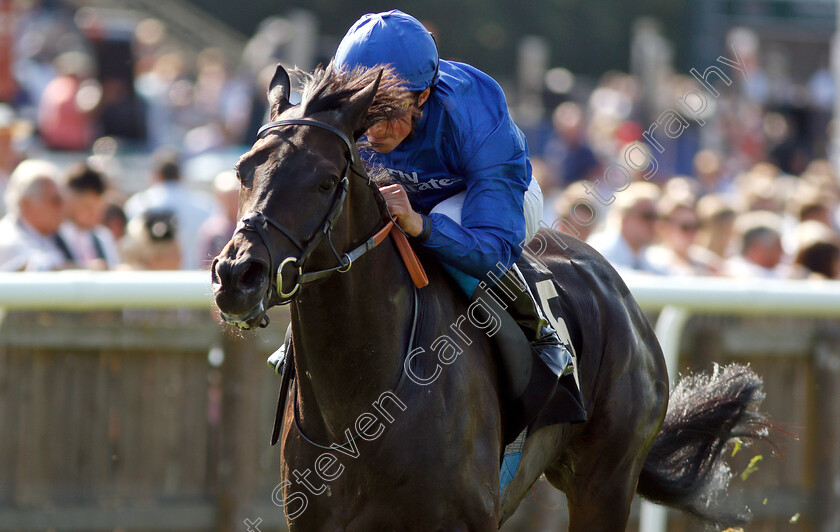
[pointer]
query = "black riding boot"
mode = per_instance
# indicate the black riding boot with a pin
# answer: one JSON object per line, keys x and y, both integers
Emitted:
{"x": 525, "y": 310}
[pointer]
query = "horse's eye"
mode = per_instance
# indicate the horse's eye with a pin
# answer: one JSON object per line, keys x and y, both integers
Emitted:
{"x": 327, "y": 184}
{"x": 244, "y": 180}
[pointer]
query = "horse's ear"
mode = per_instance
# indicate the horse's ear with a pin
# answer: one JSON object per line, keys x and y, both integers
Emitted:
{"x": 357, "y": 106}
{"x": 279, "y": 91}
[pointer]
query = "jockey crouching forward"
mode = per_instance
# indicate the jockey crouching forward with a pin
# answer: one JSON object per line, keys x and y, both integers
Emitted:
{"x": 465, "y": 191}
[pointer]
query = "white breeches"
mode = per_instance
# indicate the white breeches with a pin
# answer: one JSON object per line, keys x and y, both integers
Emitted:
{"x": 533, "y": 207}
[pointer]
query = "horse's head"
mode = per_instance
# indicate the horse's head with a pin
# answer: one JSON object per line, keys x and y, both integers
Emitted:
{"x": 295, "y": 191}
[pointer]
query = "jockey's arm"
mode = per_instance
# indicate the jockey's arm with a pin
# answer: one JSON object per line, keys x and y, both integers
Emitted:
{"x": 491, "y": 232}
{"x": 491, "y": 155}
{"x": 481, "y": 245}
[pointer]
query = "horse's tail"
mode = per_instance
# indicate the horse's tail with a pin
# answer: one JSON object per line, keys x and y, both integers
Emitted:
{"x": 685, "y": 467}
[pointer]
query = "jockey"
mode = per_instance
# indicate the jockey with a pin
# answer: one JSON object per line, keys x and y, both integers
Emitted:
{"x": 463, "y": 186}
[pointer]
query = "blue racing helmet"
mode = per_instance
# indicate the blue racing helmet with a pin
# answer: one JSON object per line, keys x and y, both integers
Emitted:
{"x": 392, "y": 38}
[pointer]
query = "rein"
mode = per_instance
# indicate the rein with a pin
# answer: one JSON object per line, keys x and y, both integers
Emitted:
{"x": 259, "y": 223}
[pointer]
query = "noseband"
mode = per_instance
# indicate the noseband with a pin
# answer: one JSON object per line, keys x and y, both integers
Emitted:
{"x": 259, "y": 223}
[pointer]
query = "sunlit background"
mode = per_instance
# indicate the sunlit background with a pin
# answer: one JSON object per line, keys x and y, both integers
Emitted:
{"x": 119, "y": 412}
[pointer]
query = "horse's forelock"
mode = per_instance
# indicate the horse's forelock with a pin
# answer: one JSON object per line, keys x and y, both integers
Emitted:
{"x": 327, "y": 88}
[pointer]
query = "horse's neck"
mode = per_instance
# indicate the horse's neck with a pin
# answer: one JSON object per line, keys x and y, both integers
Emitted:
{"x": 350, "y": 333}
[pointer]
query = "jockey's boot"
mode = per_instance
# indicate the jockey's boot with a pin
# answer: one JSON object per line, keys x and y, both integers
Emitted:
{"x": 277, "y": 360}
{"x": 528, "y": 314}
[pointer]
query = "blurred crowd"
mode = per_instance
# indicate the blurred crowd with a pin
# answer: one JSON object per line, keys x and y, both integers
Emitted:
{"x": 89, "y": 84}
{"x": 82, "y": 75}
{"x": 59, "y": 219}
{"x": 767, "y": 225}
{"x": 745, "y": 191}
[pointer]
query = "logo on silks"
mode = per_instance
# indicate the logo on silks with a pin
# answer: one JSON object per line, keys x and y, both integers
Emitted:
{"x": 411, "y": 181}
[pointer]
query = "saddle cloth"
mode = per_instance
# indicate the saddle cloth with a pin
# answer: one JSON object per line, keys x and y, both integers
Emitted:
{"x": 530, "y": 393}
{"x": 567, "y": 404}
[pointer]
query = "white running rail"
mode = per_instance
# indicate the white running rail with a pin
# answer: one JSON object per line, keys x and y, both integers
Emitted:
{"x": 85, "y": 290}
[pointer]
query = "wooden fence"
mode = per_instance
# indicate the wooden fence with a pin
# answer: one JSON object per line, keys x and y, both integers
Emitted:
{"x": 141, "y": 420}
{"x": 135, "y": 420}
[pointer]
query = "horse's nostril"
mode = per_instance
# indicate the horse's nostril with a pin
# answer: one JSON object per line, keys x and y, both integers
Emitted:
{"x": 253, "y": 274}
{"x": 214, "y": 275}
{"x": 231, "y": 276}
{"x": 220, "y": 272}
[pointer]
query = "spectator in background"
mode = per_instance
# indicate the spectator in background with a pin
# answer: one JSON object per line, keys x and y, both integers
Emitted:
{"x": 223, "y": 101}
{"x": 65, "y": 113}
{"x": 708, "y": 169}
{"x": 168, "y": 98}
{"x": 550, "y": 190}
{"x": 168, "y": 192}
{"x": 91, "y": 243}
{"x": 568, "y": 154}
{"x": 217, "y": 230}
{"x": 631, "y": 229}
{"x": 677, "y": 254}
{"x": 575, "y": 212}
{"x": 717, "y": 222}
{"x": 805, "y": 203}
{"x": 9, "y": 155}
{"x": 761, "y": 247}
{"x": 818, "y": 252}
{"x": 29, "y": 238}
{"x": 151, "y": 242}
{"x": 682, "y": 189}
{"x": 820, "y": 175}
{"x": 760, "y": 189}
{"x": 114, "y": 219}
{"x": 810, "y": 204}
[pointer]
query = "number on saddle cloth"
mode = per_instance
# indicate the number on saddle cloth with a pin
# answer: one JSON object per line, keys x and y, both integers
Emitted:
{"x": 542, "y": 285}
{"x": 566, "y": 405}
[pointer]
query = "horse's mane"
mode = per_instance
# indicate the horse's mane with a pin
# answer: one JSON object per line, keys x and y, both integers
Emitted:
{"x": 378, "y": 174}
{"x": 328, "y": 87}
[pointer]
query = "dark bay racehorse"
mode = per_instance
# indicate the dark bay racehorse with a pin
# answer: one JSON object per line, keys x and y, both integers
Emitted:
{"x": 366, "y": 448}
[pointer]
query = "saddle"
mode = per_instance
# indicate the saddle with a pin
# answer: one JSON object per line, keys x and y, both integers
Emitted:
{"x": 530, "y": 394}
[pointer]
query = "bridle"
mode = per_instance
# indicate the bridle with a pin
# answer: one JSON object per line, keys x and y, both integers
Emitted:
{"x": 259, "y": 223}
